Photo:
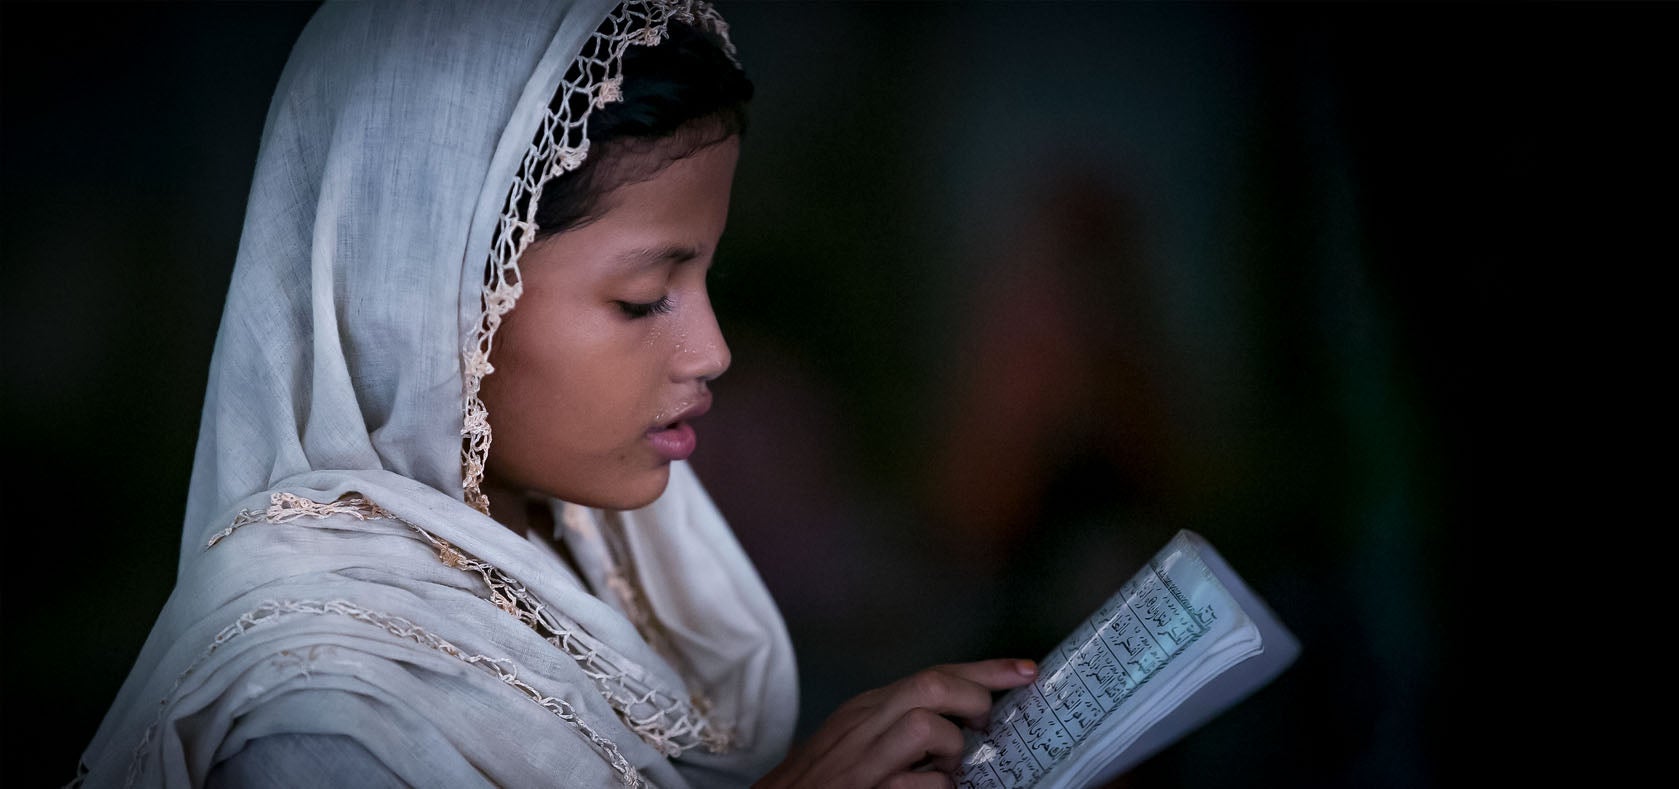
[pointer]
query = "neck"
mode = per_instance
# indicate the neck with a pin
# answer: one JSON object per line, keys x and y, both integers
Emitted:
{"x": 519, "y": 510}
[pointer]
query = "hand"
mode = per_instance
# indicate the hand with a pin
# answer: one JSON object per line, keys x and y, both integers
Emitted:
{"x": 899, "y": 736}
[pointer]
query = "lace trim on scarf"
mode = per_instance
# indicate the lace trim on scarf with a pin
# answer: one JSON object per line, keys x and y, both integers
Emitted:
{"x": 503, "y": 668}
{"x": 621, "y": 579}
{"x": 287, "y": 507}
{"x": 593, "y": 80}
{"x": 670, "y": 724}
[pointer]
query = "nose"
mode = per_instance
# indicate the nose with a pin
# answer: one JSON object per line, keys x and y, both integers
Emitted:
{"x": 701, "y": 352}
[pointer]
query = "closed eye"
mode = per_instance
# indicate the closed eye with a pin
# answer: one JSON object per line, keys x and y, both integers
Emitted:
{"x": 635, "y": 310}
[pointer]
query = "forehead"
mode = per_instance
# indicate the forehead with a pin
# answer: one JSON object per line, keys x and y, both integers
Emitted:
{"x": 674, "y": 215}
{"x": 670, "y": 184}
{"x": 625, "y": 163}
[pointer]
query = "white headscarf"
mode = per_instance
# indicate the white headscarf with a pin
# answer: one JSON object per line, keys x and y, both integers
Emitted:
{"x": 337, "y": 575}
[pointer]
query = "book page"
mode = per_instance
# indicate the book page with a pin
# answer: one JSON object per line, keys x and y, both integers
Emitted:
{"x": 1121, "y": 670}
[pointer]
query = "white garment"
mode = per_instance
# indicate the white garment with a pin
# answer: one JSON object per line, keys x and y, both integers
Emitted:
{"x": 359, "y": 594}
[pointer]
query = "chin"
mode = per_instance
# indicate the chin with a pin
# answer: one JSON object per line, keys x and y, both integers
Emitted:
{"x": 630, "y": 494}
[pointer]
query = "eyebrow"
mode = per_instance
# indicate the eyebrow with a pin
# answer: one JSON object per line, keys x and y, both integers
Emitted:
{"x": 649, "y": 256}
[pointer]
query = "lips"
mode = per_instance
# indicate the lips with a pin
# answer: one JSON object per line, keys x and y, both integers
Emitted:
{"x": 693, "y": 409}
{"x": 673, "y": 438}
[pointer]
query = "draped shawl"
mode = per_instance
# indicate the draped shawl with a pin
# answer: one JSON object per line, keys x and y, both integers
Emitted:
{"x": 339, "y": 571}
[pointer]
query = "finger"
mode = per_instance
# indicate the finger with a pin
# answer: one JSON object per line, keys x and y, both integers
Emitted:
{"x": 945, "y": 689}
{"x": 939, "y": 690}
{"x": 926, "y": 779}
{"x": 993, "y": 675}
{"x": 839, "y": 731}
{"x": 961, "y": 690}
{"x": 1000, "y": 674}
{"x": 917, "y": 735}
{"x": 948, "y": 762}
{"x": 866, "y": 759}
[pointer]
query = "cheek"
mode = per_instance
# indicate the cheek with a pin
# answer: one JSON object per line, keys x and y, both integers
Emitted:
{"x": 588, "y": 384}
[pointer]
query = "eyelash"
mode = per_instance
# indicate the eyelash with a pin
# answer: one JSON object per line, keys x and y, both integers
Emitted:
{"x": 635, "y": 310}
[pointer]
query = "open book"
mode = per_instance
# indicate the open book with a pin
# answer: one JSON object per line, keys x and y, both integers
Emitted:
{"x": 1180, "y": 642}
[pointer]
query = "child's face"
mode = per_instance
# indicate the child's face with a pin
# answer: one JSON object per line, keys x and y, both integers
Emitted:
{"x": 605, "y": 358}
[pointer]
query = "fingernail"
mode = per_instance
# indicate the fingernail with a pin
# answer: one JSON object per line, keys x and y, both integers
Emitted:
{"x": 1026, "y": 668}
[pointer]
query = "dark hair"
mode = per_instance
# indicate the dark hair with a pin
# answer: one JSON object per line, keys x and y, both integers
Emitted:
{"x": 679, "y": 96}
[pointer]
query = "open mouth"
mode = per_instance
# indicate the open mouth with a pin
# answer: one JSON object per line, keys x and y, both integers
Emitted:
{"x": 675, "y": 441}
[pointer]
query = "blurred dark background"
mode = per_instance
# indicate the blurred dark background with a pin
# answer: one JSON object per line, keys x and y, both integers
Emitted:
{"x": 1015, "y": 291}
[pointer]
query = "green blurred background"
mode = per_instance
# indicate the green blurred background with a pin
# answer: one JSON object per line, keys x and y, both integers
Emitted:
{"x": 1014, "y": 290}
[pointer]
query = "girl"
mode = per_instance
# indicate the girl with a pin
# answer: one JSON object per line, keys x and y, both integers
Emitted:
{"x": 440, "y": 529}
